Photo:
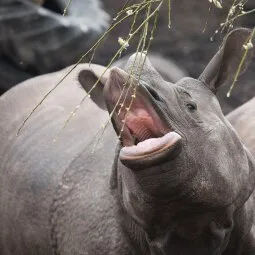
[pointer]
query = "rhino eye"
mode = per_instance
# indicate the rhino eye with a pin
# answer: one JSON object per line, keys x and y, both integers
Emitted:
{"x": 191, "y": 106}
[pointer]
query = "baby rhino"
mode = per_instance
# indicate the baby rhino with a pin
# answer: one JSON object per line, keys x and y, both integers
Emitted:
{"x": 170, "y": 176}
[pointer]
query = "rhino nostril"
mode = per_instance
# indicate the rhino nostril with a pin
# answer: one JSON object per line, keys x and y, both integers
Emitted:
{"x": 154, "y": 94}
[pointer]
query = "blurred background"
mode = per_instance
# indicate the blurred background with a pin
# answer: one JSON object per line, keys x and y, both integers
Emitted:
{"x": 35, "y": 38}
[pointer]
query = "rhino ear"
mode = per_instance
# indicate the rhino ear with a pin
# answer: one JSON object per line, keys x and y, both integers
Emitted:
{"x": 223, "y": 67}
{"x": 88, "y": 77}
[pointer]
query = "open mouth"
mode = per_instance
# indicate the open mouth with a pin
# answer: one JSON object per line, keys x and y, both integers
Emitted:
{"x": 145, "y": 134}
{"x": 143, "y": 131}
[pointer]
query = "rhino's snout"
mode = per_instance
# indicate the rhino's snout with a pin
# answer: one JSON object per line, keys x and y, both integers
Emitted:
{"x": 145, "y": 135}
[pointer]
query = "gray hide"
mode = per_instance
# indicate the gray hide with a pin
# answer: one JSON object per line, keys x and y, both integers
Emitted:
{"x": 179, "y": 182}
{"x": 169, "y": 70}
{"x": 243, "y": 119}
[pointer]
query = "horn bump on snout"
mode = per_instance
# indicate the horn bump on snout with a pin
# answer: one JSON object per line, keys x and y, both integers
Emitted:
{"x": 137, "y": 61}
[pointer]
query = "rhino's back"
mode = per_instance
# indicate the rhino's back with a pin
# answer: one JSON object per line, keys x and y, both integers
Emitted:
{"x": 31, "y": 163}
{"x": 243, "y": 119}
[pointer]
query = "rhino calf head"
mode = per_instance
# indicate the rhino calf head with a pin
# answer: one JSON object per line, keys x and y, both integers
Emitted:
{"x": 183, "y": 173}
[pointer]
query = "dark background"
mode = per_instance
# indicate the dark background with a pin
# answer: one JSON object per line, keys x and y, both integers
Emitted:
{"x": 184, "y": 43}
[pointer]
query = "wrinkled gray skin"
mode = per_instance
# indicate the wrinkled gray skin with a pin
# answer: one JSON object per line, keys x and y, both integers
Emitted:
{"x": 167, "y": 69}
{"x": 60, "y": 198}
{"x": 243, "y": 119}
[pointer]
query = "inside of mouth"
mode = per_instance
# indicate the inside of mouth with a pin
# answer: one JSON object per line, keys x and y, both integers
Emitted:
{"x": 145, "y": 135}
{"x": 141, "y": 123}
{"x": 142, "y": 126}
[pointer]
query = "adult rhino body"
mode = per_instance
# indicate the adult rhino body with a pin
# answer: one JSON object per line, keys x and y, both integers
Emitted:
{"x": 243, "y": 119}
{"x": 32, "y": 165}
{"x": 179, "y": 181}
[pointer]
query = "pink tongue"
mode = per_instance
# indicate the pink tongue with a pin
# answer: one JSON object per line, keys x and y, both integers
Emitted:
{"x": 150, "y": 146}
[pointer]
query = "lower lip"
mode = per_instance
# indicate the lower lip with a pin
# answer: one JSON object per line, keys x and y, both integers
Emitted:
{"x": 150, "y": 147}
